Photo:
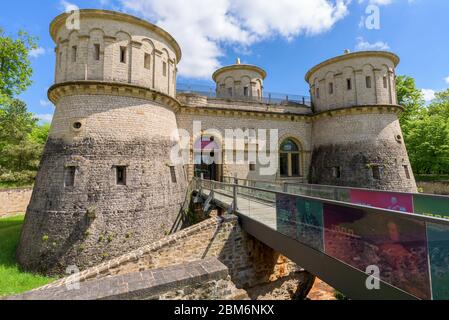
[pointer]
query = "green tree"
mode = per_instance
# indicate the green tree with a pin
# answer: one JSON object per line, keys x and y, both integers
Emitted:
{"x": 15, "y": 66}
{"x": 428, "y": 144}
{"x": 21, "y": 143}
{"x": 409, "y": 97}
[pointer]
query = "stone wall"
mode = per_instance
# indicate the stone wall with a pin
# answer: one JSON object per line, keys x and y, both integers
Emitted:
{"x": 215, "y": 123}
{"x": 331, "y": 78}
{"x": 357, "y": 142}
{"x": 249, "y": 261}
{"x": 14, "y": 201}
{"x": 148, "y": 51}
{"x": 199, "y": 280}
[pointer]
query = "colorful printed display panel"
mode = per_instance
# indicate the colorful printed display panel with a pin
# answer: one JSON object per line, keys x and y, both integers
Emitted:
{"x": 437, "y": 207}
{"x": 301, "y": 220}
{"x": 385, "y": 200}
{"x": 397, "y": 245}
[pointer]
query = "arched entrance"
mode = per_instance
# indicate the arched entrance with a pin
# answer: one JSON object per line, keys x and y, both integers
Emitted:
{"x": 207, "y": 155}
{"x": 290, "y": 159}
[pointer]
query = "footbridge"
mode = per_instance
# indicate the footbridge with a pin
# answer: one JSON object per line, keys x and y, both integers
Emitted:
{"x": 367, "y": 244}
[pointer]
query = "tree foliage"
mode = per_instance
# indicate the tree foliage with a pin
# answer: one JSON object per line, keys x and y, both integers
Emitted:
{"x": 425, "y": 128}
{"x": 15, "y": 66}
{"x": 21, "y": 143}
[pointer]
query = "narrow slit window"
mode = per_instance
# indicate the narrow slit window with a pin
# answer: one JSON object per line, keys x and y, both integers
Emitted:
{"x": 69, "y": 176}
{"x": 252, "y": 167}
{"x": 97, "y": 52}
{"x": 349, "y": 84}
{"x": 385, "y": 83}
{"x": 60, "y": 58}
{"x": 74, "y": 53}
{"x": 120, "y": 175}
{"x": 368, "y": 82}
{"x": 331, "y": 88}
{"x": 377, "y": 172}
{"x": 245, "y": 91}
{"x": 318, "y": 93}
{"x": 164, "y": 68}
{"x": 123, "y": 54}
{"x": 147, "y": 61}
{"x": 407, "y": 172}
{"x": 230, "y": 92}
{"x": 173, "y": 174}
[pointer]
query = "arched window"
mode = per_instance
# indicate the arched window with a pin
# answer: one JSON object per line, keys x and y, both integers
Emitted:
{"x": 290, "y": 159}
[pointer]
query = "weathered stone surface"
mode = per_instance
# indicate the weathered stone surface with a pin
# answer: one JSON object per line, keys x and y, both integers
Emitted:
{"x": 97, "y": 219}
{"x": 250, "y": 263}
{"x": 210, "y": 282}
{"x": 13, "y": 201}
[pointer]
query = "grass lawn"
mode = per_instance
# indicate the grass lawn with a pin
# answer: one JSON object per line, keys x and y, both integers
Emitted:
{"x": 12, "y": 280}
{"x": 12, "y": 185}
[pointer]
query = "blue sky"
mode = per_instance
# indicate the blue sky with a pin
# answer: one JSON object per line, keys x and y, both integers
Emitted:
{"x": 285, "y": 37}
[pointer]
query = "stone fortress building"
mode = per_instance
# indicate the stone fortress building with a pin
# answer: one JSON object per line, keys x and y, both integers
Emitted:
{"x": 106, "y": 183}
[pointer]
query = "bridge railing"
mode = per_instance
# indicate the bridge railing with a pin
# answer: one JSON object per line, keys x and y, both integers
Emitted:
{"x": 407, "y": 252}
{"x": 419, "y": 203}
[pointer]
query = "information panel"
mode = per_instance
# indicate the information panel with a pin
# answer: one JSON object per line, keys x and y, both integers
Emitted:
{"x": 395, "y": 245}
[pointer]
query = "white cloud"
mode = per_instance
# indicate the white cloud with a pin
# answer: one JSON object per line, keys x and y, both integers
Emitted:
{"x": 45, "y": 103}
{"x": 378, "y": 2}
{"x": 39, "y": 51}
{"x": 428, "y": 94}
{"x": 44, "y": 118}
{"x": 447, "y": 80}
{"x": 363, "y": 45}
{"x": 203, "y": 27}
{"x": 68, "y": 7}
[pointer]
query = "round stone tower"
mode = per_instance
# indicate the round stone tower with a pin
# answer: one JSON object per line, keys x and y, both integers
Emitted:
{"x": 357, "y": 139}
{"x": 106, "y": 184}
{"x": 240, "y": 81}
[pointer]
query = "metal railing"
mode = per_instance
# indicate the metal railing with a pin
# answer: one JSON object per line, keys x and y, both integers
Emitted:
{"x": 270, "y": 98}
{"x": 338, "y": 240}
{"x": 346, "y": 194}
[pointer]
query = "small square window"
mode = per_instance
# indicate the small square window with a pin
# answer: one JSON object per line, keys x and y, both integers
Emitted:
{"x": 368, "y": 82}
{"x": 97, "y": 52}
{"x": 147, "y": 61}
{"x": 123, "y": 54}
{"x": 173, "y": 174}
{"x": 336, "y": 172}
{"x": 348, "y": 84}
{"x": 252, "y": 167}
{"x": 377, "y": 172}
{"x": 120, "y": 175}
{"x": 69, "y": 176}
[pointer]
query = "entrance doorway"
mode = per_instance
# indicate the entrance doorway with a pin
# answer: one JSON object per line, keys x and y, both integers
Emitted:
{"x": 208, "y": 159}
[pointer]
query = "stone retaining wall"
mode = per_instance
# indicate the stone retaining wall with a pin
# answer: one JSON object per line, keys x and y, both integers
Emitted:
{"x": 249, "y": 261}
{"x": 13, "y": 201}
{"x": 199, "y": 280}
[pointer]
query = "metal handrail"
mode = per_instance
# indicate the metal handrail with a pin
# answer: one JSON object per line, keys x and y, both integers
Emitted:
{"x": 271, "y": 98}
{"x": 341, "y": 187}
{"x": 341, "y": 203}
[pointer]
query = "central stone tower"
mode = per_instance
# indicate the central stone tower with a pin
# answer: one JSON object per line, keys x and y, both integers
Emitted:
{"x": 106, "y": 184}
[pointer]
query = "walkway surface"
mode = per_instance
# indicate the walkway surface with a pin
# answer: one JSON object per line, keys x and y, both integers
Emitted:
{"x": 263, "y": 211}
